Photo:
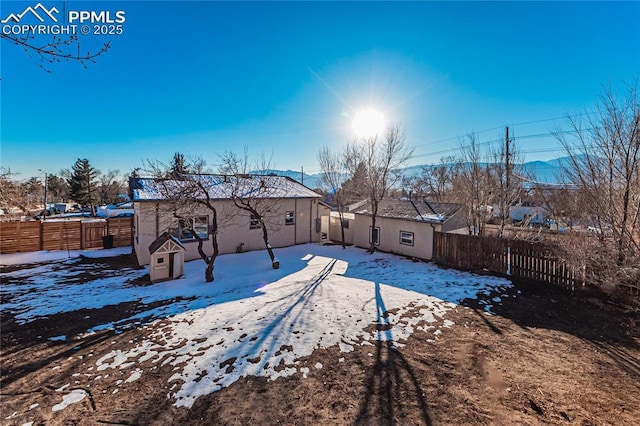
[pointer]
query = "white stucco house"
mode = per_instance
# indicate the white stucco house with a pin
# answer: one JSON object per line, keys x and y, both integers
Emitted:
{"x": 292, "y": 213}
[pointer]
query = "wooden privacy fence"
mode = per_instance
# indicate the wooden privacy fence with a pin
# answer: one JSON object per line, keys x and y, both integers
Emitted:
{"x": 64, "y": 235}
{"x": 517, "y": 258}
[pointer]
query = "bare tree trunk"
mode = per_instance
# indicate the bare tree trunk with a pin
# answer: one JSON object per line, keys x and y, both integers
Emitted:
{"x": 208, "y": 274}
{"x": 275, "y": 264}
{"x": 372, "y": 245}
{"x": 341, "y": 216}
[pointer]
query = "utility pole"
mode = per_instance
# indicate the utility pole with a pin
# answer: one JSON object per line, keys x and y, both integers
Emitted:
{"x": 505, "y": 196}
{"x": 302, "y": 175}
{"x": 44, "y": 212}
{"x": 506, "y": 159}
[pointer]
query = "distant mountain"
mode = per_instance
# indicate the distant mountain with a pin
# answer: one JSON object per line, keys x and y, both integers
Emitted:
{"x": 541, "y": 171}
{"x": 310, "y": 181}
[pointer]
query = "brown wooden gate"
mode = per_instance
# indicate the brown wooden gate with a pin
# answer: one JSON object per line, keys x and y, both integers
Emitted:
{"x": 92, "y": 233}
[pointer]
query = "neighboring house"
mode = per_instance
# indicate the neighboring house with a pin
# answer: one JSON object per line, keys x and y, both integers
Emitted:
{"x": 529, "y": 213}
{"x": 118, "y": 210}
{"x": 294, "y": 215}
{"x": 406, "y": 227}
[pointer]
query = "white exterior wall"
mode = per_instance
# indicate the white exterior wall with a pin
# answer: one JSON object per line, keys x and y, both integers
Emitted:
{"x": 536, "y": 213}
{"x": 390, "y": 236}
{"x": 335, "y": 234}
{"x": 153, "y": 218}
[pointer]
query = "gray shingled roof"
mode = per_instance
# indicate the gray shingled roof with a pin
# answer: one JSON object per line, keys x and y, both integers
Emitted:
{"x": 421, "y": 211}
{"x": 220, "y": 187}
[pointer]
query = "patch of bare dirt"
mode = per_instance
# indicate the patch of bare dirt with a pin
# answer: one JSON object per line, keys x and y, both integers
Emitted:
{"x": 545, "y": 357}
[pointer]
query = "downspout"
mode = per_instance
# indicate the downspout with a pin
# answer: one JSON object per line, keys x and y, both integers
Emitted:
{"x": 157, "y": 220}
{"x": 433, "y": 239}
{"x": 318, "y": 218}
{"x": 310, "y": 219}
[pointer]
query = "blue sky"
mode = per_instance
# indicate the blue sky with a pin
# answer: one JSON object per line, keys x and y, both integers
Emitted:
{"x": 285, "y": 78}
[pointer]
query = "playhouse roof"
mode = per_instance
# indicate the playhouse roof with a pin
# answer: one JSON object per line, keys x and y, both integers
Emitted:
{"x": 162, "y": 241}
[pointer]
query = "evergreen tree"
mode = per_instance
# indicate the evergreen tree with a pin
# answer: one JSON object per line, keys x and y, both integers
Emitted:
{"x": 83, "y": 187}
{"x": 178, "y": 167}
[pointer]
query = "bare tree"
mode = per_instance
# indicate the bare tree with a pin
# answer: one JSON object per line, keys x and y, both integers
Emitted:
{"x": 381, "y": 159}
{"x": 111, "y": 187}
{"x": 473, "y": 186}
{"x": 334, "y": 175}
{"x": 56, "y": 50}
{"x": 604, "y": 166}
{"x": 435, "y": 182}
{"x": 256, "y": 195}
{"x": 186, "y": 196}
{"x": 12, "y": 192}
{"x": 507, "y": 177}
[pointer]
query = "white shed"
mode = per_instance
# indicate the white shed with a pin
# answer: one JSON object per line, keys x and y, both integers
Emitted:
{"x": 167, "y": 258}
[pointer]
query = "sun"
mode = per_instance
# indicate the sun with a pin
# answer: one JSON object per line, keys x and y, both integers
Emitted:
{"x": 368, "y": 123}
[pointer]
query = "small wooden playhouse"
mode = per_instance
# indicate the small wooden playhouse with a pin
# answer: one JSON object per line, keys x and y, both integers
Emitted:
{"x": 167, "y": 258}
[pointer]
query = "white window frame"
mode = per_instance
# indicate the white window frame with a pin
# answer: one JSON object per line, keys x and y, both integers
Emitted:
{"x": 407, "y": 238}
{"x": 289, "y": 217}
{"x": 377, "y": 228}
{"x": 200, "y": 225}
{"x": 254, "y": 222}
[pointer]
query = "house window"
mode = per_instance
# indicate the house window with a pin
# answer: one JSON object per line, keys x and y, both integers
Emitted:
{"x": 254, "y": 223}
{"x": 289, "y": 218}
{"x": 199, "y": 225}
{"x": 406, "y": 238}
{"x": 374, "y": 235}
{"x": 345, "y": 224}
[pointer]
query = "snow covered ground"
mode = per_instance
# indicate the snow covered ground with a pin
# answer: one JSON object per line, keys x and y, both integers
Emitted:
{"x": 48, "y": 256}
{"x": 254, "y": 320}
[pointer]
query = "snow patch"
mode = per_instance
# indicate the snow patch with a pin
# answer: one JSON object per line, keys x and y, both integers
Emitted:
{"x": 304, "y": 371}
{"x": 73, "y": 397}
{"x": 134, "y": 376}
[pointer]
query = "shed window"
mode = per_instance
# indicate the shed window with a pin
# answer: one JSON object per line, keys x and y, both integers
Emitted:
{"x": 198, "y": 225}
{"x": 374, "y": 235}
{"x": 254, "y": 223}
{"x": 289, "y": 218}
{"x": 406, "y": 238}
{"x": 160, "y": 260}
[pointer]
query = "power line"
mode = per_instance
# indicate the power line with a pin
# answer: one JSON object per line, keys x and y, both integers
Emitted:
{"x": 511, "y": 124}
{"x": 515, "y": 138}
